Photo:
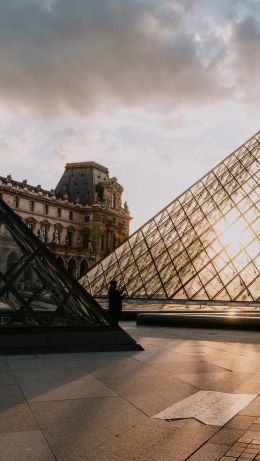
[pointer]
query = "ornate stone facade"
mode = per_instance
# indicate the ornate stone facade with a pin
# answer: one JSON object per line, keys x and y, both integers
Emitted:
{"x": 80, "y": 221}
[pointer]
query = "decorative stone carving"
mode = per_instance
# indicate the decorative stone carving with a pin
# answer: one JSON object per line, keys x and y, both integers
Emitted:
{"x": 9, "y": 180}
{"x": 110, "y": 193}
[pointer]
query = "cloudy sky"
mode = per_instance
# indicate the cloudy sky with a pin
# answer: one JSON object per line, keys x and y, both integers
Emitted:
{"x": 159, "y": 91}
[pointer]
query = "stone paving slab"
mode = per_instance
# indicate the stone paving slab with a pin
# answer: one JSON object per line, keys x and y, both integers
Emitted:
{"x": 93, "y": 413}
{"x": 142, "y": 442}
{"x": 25, "y": 446}
{"x": 17, "y": 417}
{"x": 7, "y": 377}
{"x": 10, "y": 394}
{"x": 204, "y": 380}
{"x": 241, "y": 422}
{"x": 85, "y": 387}
{"x": 151, "y": 402}
{"x": 53, "y": 375}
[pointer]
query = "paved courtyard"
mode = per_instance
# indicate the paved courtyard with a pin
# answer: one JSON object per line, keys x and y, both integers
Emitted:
{"x": 100, "y": 406}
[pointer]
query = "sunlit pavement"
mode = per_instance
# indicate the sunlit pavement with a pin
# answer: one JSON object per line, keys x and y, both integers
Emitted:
{"x": 100, "y": 406}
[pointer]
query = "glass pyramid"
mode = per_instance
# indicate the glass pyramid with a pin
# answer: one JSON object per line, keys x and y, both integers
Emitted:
{"x": 34, "y": 289}
{"x": 203, "y": 246}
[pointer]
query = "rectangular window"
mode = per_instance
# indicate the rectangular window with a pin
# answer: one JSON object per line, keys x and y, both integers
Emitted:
{"x": 30, "y": 226}
{"x": 102, "y": 242}
{"x": 57, "y": 236}
{"x": 69, "y": 238}
{"x": 16, "y": 202}
{"x": 44, "y": 234}
{"x": 31, "y": 205}
{"x": 85, "y": 239}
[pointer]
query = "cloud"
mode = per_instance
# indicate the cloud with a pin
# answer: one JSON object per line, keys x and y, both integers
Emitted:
{"x": 246, "y": 39}
{"x": 59, "y": 55}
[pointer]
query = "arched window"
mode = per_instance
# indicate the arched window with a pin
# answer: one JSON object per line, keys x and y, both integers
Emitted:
{"x": 60, "y": 260}
{"x": 83, "y": 267}
{"x": 72, "y": 267}
{"x": 46, "y": 208}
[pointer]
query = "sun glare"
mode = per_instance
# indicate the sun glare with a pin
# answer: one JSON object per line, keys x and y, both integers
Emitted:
{"x": 233, "y": 236}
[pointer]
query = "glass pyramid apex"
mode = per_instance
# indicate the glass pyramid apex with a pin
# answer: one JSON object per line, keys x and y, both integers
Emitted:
{"x": 203, "y": 246}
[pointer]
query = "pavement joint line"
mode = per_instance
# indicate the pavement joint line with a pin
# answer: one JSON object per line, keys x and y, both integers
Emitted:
{"x": 123, "y": 397}
{"x": 40, "y": 429}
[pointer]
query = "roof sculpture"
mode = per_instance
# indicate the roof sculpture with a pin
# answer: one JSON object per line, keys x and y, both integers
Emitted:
{"x": 202, "y": 247}
{"x": 38, "y": 296}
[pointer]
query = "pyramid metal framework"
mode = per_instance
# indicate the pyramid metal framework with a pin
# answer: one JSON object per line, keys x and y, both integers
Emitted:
{"x": 35, "y": 291}
{"x": 202, "y": 247}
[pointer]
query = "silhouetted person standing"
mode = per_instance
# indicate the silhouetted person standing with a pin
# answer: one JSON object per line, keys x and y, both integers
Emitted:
{"x": 115, "y": 297}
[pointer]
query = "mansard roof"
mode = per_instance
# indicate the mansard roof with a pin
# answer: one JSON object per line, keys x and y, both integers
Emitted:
{"x": 79, "y": 181}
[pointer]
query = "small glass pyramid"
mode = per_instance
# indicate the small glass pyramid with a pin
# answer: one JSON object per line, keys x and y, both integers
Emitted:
{"x": 203, "y": 246}
{"x": 34, "y": 289}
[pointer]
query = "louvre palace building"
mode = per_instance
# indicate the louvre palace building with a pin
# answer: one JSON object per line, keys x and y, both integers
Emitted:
{"x": 80, "y": 221}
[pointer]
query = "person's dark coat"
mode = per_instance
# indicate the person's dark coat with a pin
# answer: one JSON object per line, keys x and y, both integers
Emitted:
{"x": 115, "y": 303}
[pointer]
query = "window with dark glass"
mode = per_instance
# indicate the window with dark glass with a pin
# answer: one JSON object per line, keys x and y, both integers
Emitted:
{"x": 58, "y": 212}
{"x": 44, "y": 234}
{"x": 114, "y": 241}
{"x": 57, "y": 234}
{"x": 102, "y": 242}
{"x": 85, "y": 240}
{"x": 31, "y": 205}
{"x": 46, "y": 208}
{"x": 71, "y": 215}
{"x": 16, "y": 202}
{"x": 30, "y": 226}
{"x": 69, "y": 238}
